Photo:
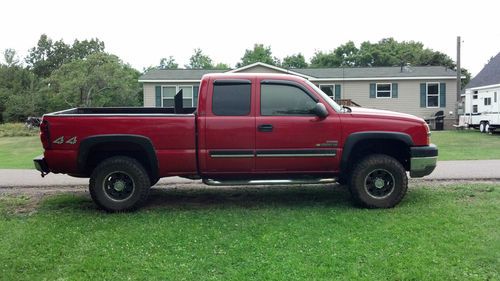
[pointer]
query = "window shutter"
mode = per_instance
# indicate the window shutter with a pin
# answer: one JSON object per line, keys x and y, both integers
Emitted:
{"x": 394, "y": 90}
{"x": 442, "y": 94}
{"x": 422, "y": 95}
{"x": 337, "y": 92}
{"x": 158, "y": 96}
{"x": 373, "y": 89}
{"x": 195, "y": 95}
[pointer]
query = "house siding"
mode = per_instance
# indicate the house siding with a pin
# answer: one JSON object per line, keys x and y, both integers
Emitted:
{"x": 149, "y": 93}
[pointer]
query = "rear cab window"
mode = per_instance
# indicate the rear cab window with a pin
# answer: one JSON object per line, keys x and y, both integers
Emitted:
{"x": 231, "y": 97}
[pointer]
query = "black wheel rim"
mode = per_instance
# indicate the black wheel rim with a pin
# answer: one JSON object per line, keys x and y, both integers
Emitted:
{"x": 379, "y": 183}
{"x": 118, "y": 186}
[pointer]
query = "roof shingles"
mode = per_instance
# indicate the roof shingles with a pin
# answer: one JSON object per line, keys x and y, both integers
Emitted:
{"x": 489, "y": 75}
{"x": 334, "y": 73}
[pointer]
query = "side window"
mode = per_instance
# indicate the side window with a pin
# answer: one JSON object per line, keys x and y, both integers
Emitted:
{"x": 279, "y": 100}
{"x": 231, "y": 99}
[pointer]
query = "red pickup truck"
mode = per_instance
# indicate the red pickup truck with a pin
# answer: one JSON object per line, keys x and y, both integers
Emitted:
{"x": 247, "y": 129}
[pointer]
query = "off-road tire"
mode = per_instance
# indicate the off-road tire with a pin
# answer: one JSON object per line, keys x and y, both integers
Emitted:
{"x": 134, "y": 174}
{"x": 383, "y": 170}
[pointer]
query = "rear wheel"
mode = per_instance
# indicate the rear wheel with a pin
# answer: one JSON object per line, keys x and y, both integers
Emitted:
{"x": 487, "y": 127}
{"x": 119, "y": 184}
{"x": 482, "y": 126}
{"x": 378, "y": 181}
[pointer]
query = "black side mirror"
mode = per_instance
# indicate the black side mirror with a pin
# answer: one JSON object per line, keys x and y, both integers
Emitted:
{"x": 320, "y": 110}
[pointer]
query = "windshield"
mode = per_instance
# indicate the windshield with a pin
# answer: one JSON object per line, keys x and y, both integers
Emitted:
{"x": 325, "y": 97}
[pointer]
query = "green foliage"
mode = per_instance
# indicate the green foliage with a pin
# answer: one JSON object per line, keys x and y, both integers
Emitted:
{"x": 259, "y": 53}
{"x": 222, "y": 65}
{"x": 10, "y": 57}
{"x": 199, "y": 60}
{"x": 294, "y": 61}
{"x": 168, "y": 63}
{"x": 17, "y": 130}
{"x": 256, "y": 233}
{"x": 98, "y": 80}
{"x": 48, "y": 56}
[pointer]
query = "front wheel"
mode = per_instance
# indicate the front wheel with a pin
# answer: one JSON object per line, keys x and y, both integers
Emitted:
{"x": 119, "y": 184}
{"x": 482, "y": 127}
{"x": 378, "y": 181}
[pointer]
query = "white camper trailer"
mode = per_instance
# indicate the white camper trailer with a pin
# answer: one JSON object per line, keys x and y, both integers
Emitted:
{"x": 482, "y": 107}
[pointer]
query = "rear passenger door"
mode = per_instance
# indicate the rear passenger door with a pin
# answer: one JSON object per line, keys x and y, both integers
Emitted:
{"x": 290, "y": 138}
{"x": 230, "y": 127}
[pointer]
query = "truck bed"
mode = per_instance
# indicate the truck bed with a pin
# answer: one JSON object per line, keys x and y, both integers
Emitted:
{"x": 122, "y": 111}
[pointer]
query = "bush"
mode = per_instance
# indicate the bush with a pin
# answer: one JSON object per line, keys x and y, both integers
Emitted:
{"x": 16, "y": 130}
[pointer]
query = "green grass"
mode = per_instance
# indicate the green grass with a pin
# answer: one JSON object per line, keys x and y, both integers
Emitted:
{"x": 16, "y": 130}
{"x": 18, "y": 152}
{"x": 293, "y": 233}
{"x": 466, "y": 145}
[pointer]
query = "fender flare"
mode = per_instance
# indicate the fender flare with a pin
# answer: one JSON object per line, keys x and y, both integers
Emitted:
{"x": 354, "y": 138}
{"x": 144, "y": 142}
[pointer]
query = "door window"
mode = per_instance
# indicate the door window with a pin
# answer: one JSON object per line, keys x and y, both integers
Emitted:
{"x": 281, "y": 100}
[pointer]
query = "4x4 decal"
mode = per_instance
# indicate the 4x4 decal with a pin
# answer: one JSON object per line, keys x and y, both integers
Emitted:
{"x": 60, "y": 140}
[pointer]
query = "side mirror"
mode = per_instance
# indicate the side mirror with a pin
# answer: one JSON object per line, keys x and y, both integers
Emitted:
{"x": 320, "y": 110}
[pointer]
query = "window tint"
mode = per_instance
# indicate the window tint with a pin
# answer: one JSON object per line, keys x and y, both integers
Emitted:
{"x": 231, "y": 100}
{"x": 284, "y": 100}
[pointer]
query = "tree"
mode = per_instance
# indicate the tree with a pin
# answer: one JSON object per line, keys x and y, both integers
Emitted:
{"x": 199, "y": 60}
{"x": 259, "y": 53}
{"x": 294, "y": 61}
{"x": 222, "y": 65}
{"x": 48, "y": 56}
{"x": 321, "y": 59}
{"x": 81, "y": 49}
{"x": 98, "y": 80}
{"x": 10, "y": 57}
{"x": 168, "y": 63}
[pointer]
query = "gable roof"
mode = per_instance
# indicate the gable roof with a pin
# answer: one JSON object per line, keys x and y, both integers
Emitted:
{"x": 313, "y": 74}
{"x": 489, "y": 75}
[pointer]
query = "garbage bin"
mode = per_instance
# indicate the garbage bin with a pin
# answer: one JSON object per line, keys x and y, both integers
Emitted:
{"x": 439, "y": 119}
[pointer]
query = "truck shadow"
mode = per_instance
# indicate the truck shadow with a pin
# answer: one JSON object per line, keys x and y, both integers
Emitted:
{"x": 248, "y": 196}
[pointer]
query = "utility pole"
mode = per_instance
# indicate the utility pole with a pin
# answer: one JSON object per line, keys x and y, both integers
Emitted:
{"x": 459, "y": 74}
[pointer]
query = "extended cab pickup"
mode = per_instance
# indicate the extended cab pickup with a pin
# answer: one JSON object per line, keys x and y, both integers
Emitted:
{"x": 247, "y": 129}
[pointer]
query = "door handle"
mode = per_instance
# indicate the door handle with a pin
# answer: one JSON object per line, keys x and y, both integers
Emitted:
{"x": 265, "y": 128}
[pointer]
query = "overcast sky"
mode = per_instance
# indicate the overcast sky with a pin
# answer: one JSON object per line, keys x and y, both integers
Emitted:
{"x": 142, "y": 32}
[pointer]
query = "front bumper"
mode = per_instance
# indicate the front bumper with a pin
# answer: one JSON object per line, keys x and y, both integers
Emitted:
{"x": 41, "y": 165}
{"x": 423, "y": 160}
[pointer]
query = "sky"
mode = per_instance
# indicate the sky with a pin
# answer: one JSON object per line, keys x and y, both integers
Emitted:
{"x": 142, "y": 32}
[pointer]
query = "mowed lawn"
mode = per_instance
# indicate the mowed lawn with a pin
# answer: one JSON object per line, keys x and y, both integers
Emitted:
{"x": 279, "y": 233}
{"x": 466, "y": 145}
{"x": 18, "y": 152}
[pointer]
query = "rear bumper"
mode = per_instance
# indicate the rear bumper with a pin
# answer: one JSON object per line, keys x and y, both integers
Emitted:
{"x": 423, "y": 160}
{"x": 41, "y": 165}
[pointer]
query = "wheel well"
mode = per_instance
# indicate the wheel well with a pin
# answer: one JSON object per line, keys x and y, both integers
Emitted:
{"x": 391, "y": 147}
{"x": 99, "y": 152}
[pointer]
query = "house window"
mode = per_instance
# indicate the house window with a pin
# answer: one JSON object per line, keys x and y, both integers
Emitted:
{"x": 474, "y": 108}
{"x": 328, "y": 89}
{"x": 495, "y": 97}
{"x": 384, "y": 90}
{"x": 432, "y": 95}
{"x": 487, "y": 101}
{"x": 474, "y": 96}
{"x": 169, "y": 92}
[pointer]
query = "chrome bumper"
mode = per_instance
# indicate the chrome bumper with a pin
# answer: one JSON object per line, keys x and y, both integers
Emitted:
{"x": 423, "y": 160}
